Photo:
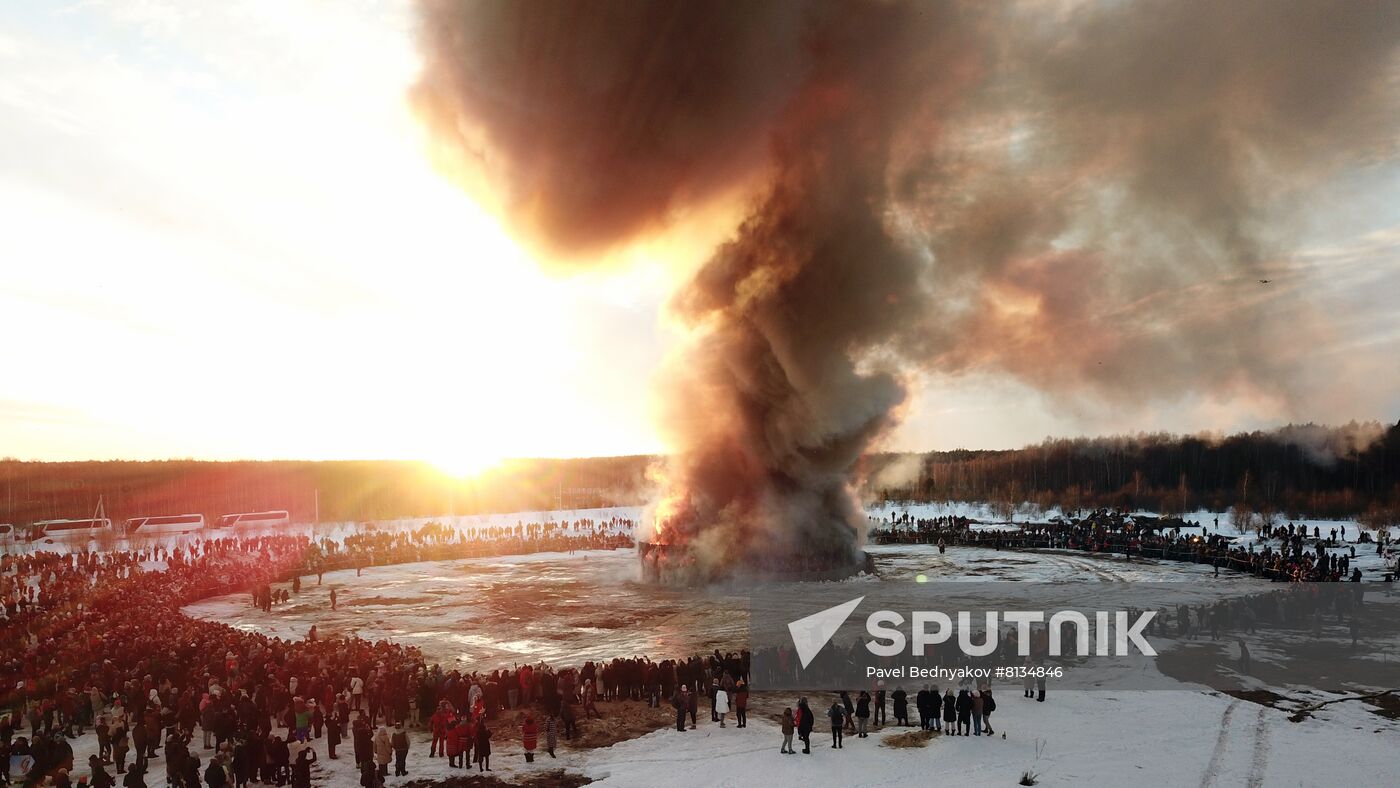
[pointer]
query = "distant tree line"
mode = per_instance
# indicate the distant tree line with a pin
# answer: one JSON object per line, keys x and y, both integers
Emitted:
{"x": 1294, "y": 471}
{"x": 332, "y": 491}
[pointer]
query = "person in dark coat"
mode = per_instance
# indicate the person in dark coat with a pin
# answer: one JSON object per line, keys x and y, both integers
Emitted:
{"x": 950, "y": 712}
{"x": 850, "y": 708}
{"x": 964, "y": 708}
{"x": 215, "y": 776}
{"x": 901, "y": 706}
{"x": 681, "y": 702}
{"x": 369, "y": 775}
{"x": 924, "y": 705}
{"x": 837, "y": 715}
{"x": 100, "y": 777}
{"x": 988, "y": 706}
{"x": 364, "y": 742}
{"x": 569, "y": 718}
{"x": 862, "y": 714}
{"x": 279, "y": 758}
{"x": 741, "y": 703}
{"x": 400, "y": 741}
{"x": 140, "y": 745}
{"x": 301, "y": 768}
{"x": 135, "y": 776}
{"x": 483, "y": 746}
{"x": 333, "y": 727}
{"x": 242, "y": 763}
{"x": 120, "y": 746}
{"x": 805, "y": 721}
{"x": 694, "y": 706}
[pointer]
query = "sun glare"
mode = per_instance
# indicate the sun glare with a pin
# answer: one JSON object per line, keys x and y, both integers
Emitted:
{"x": 465, "y": 464}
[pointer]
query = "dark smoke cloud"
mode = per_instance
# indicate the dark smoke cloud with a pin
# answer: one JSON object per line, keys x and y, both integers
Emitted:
{"x": 1083, "y": 198}
{"x": 597, "y": 119}
{"x": 1154, "y": 158}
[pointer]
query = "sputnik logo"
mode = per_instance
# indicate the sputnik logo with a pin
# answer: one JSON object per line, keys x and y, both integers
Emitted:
{"x": 811, "y": 633}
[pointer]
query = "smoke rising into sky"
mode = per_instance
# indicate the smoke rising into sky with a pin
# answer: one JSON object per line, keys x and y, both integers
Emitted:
{"x": 1099, "y": 199}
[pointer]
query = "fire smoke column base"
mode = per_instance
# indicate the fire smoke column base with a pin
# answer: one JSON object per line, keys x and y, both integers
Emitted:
{"x": 677, "y": 565}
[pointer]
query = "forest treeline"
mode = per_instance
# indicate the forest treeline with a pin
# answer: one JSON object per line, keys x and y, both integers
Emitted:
{"x": 1293, "y": 471}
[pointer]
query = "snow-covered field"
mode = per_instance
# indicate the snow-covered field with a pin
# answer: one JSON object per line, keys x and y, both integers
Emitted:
{"x": 564, "y": 608}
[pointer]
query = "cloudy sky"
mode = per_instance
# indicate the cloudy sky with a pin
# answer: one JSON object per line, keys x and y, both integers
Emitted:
{"x": 224, "y": 238}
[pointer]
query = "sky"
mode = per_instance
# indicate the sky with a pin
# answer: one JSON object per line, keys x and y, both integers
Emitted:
{"x": 224, "y": 238}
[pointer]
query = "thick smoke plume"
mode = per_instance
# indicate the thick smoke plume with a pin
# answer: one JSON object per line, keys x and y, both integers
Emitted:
{"x": 1083, "y": 196}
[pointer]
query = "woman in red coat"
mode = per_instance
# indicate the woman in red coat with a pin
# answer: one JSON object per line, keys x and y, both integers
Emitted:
{"x": 456, "y": 737}
{"x": 529, "y": 737}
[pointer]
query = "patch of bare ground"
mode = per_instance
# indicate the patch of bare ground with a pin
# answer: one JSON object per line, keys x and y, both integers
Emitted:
{"x": 1262, "y": 697}
{"x": 555, "y": 779}
{"x": 909, "y": 740}
{"x": 620, "y": 722}
{"x": 1387, "y": 706}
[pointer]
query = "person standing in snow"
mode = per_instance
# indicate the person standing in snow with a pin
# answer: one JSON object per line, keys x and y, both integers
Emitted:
{"x": 400, "y": 742}
{"x": 837, "y": 715}
{"x": 989, "y": 705}
{"x": 950, "y": 712}
{"x": 805, "y": 721}
{"x": 788, "y": 728}
{"x": 862, "y": 714}
{"x": 721, "y": 703}
{"x": 301, "y": 768}
{"x": 901, "y": 707}
{"x": 483, "y": 746}
{"x": 850, "y": 708}
{"x": 357, "y": 693}
{"x": 383, "y": 750}
{"x": 551, "y": 733}
{"x": 681, "y": 702}
{"x": 529, "y": 737}
{"x": 694, "y": 705}
{"x": 741, "y": 704}
{"x": 964, "y": 708}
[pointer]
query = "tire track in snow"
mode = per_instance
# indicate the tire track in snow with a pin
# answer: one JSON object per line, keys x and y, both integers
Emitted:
{"x": 1259, "y": 761}
{"x": 1213, "y": 767}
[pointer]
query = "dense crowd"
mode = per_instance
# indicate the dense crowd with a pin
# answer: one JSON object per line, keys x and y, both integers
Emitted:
{"x": 96, "y": 642}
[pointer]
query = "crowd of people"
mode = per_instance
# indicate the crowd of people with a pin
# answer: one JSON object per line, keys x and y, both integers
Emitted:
{"x": 1298, "y": 556}
{"x": 95, "y": 641}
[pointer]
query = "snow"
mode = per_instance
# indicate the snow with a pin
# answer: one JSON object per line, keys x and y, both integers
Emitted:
{"x": 1159, "y": 738}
